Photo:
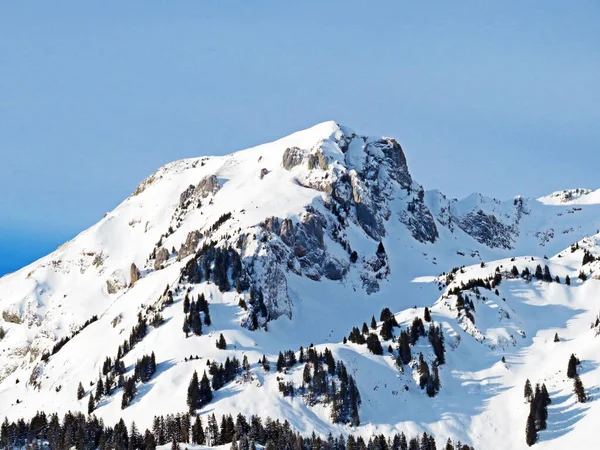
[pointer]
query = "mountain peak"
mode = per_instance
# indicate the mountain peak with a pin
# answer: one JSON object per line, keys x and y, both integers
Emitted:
{"x": 571, "y": 197}
{"x": 296, "y": 241}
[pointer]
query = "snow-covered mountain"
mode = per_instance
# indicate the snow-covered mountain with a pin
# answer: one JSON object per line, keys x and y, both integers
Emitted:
{"x": 292, "y": 244}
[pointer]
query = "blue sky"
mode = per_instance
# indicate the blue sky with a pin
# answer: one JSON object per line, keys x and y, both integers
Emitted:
{"x": 497, "y": 97}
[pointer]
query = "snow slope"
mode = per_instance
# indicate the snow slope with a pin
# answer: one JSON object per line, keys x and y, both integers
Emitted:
{"x": 299, "y": 207}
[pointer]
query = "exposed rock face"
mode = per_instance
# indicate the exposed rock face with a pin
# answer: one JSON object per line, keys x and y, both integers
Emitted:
{"x": 134, "y": 274}
{"x": 367, "y": 211}
{"x": 186, "y": 195}
{"x": 208, "y": 186}
{"x": 396, "y": 162}
{"x": 116, "y": 282}
{"x": 190, "y": 245}
{"x": 35, "y": 378}
{"x": 292, "y": 157}
{"x": 317, "y": 160}
{"x": 419, "y": 220}
{"x": 273, "y": 284}
{"x": 301, "y": 246}
{"x": 334, "y": 270}
{"x": 263, "y": 172}
{"x": 487, "y": 229}
{"x": 162, "y": 255}
{"x": 11, "y": 316}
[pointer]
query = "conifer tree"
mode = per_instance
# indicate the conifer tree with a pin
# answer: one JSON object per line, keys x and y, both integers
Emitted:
{"x": 373, "y": 323}
{"x": 221, "y": 343}
{"x": 528, "y": 391}
{"x": 572, "y": 366}
{"x": 205, "y": 391}
{"x": 579, "y": 390}
{"x": 539, "y": 274}
{"x": 193, "y": 393}
{"x": 404, "y": 348}
{"x": 374, "y": 345}
{"x": 149, "y": 441}
{"x": 427, "y": 315}
{"x": 99, "y": 389}
{"x": 556, "y": 338}
{"x": 530, "y": 430}
{"x": 568, "y": 280}
{"x": 80, "y": 391}
{"x": 198, "y": 432}
{"x": 386, "y": 330}
{"x": 91, "y": 405}
{"x": 186, "y": 325}
{"x": 280, "y": 362}
{"x": 547, "y": 274}
{"x": 423, "y": 370}
{"x": 186, "y": 304}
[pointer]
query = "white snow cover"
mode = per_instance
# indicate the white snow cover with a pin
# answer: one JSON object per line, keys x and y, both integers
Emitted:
{"x": 481, "y": 399}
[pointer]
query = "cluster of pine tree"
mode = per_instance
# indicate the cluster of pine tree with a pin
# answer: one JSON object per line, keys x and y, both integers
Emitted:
{"x": 436, "y": 338}
{"x": 578, "y": 388}
{"x": 113, "y": 372}
{"x": 323, "y": 381}
{"x": 222, "y": 266}
{"x": 63, "y": 341}
{"x": 588, "y": 257}
{"x": 199, "y": 392}
{"x": 129, "y": 391}
{"x": 143, "y": 371}
{"x": 220, "y": 221}
{"x": 464, "y": 305}
{"x": 472, "y": 284}
{"x": 539, "y": 274}
{"x": 389, "y": 322}
{"x": 195, "y": 312}
{"x": 286, "y": 359}
{"x": 428, "y": 379}
{"x": 409, "y": 337}
{"x": 138, "y": 333}
{"x": 258, "y": 309}
{"x": 596, "y": 322}
{"x": 81, "y": 432}
{"x": 224, "y": 373}
{"x": 145, "y": 368}
{"x": 543, "y": 275}
{"x": 538, "y": 411}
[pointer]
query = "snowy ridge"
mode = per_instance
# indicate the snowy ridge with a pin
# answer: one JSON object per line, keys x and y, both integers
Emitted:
{"x": 577, "y": 196}
{"x": 305, "y": 216}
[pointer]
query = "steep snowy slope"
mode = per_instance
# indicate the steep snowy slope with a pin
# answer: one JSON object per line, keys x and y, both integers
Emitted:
{"x": 298, "y": 223}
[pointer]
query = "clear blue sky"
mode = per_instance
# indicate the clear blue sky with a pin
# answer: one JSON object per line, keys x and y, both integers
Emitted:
{"x": 497, "y": 97}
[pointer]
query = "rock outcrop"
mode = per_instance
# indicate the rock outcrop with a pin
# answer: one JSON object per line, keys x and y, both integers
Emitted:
{"x": 134, "y": 274}
{"x": 162, "y": 255}
{"x": 190, "y": 245}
